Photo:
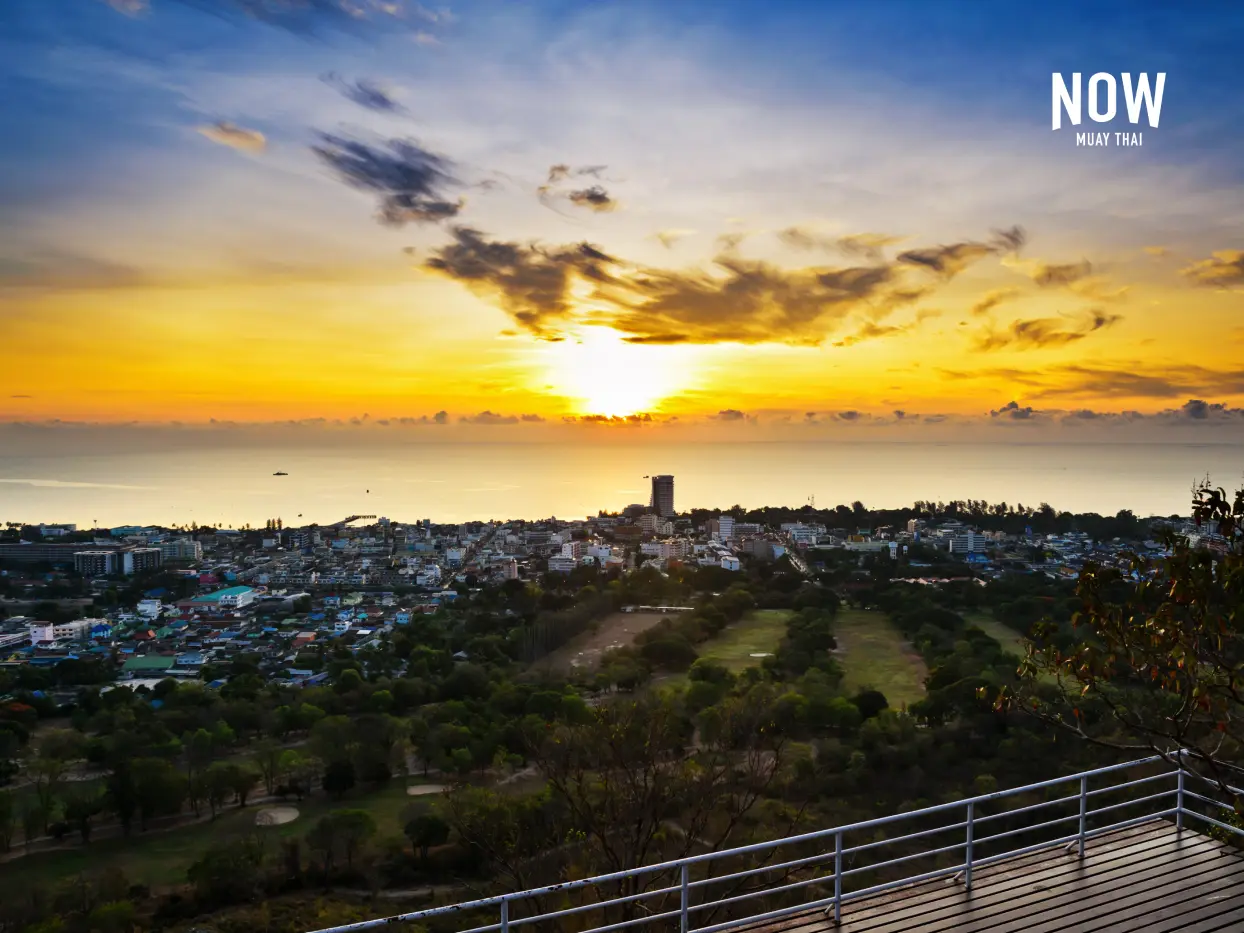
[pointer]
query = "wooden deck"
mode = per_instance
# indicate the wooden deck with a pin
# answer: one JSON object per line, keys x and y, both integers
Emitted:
{"x": 1149, "y": 878}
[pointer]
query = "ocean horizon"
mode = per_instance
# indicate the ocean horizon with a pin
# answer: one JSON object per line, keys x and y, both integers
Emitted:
{"x": 464, "y": 481}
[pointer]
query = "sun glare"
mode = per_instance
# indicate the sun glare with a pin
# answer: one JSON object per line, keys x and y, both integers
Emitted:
{"x": 604, "y": 375}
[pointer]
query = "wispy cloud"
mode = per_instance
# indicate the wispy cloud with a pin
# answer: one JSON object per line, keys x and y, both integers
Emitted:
{"x": 1224, "y": 269}
{"x": 366, "y": 93}
{"x": 1045, "y": 332}
{"x": 410, "y": 181}
{"x": 235, "y": 137}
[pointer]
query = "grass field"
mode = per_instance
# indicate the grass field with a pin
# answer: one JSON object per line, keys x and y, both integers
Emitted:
{"x": 160, "y": 858}
{"x": 874, "y": 654}
{"x": 1007, "y": 637}
{"x": 616, "y": 630}
{"x": 757, "y": 634}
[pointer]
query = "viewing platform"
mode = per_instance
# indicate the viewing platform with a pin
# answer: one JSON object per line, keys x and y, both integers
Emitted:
{"x": 1127, "y": 851}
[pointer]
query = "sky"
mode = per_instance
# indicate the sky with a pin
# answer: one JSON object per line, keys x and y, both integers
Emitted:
{"x": 769, "y": 217}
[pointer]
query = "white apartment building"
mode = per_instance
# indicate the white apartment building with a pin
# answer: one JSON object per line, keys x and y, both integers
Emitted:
{"x": 65, "y": 631}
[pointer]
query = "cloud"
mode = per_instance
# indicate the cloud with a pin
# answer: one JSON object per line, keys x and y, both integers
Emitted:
{"x": 614, "y": 420}
{"x": 21, "y": 396}
{"x": 992, "y": 299}
{"x": 410, "y": 180}
{"x": 863, "y": 245}
{"x": 365, "y": 93}
{"x": 532, "y": 282}
{"x": 1157, "y": 251}
{"x": 1013, "y": 412}
{"x": 1045, "y": 332}
{"x": 532, "y": 418}
{"x": 1225, "y": 269}
{"x": 735, "y": 299}
{"x": 595, "y": 198}
{"x": 488, "y": 417}
{"x": 236, "y": 137}
{"x": 439, "y": 418}
{"x": 668, "y": 238}
{"x": 948, "y": 261}
{"x": 872, "y": 331}
{"x": 313, "y": 16}
{"x": 1049, "y": 275}
{"x": 129, "y": 7}
{"x": 561, "y": 172}
{"x": 729, "y": 414}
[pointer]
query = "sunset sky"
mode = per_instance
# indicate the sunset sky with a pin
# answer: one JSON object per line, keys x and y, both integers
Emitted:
{"x": 749, "y": 216}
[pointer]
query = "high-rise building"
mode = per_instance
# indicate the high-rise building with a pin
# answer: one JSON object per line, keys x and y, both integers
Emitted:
{"x": 663, "y": 495}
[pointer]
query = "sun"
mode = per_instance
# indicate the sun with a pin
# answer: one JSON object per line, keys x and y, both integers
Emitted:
{"x": 604, "y": 375}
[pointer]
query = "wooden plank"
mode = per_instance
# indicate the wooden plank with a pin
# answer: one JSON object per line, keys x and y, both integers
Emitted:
{"x": 1122, "y": 863}
{"x": 1079, "y": 896}
{"x": 1141, "y": 879}
{"x": 921, "y": 896}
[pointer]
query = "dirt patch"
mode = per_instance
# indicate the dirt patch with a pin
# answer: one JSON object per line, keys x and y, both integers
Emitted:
{"x": 616, "y": 630}
{"x": 276, "y": 816}
{"x": 419, "y": 790}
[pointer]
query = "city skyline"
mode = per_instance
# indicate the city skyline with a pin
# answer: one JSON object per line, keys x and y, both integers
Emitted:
{"x": 830, "y": 219}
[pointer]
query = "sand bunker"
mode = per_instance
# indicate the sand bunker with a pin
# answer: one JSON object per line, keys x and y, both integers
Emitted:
{"x": 275, "y": 816}
{"x": 418, "y": 790}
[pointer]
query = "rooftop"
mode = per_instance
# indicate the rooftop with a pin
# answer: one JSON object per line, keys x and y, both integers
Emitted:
{"x": 1120, "y": 854}
{"x": 221, "y": 594}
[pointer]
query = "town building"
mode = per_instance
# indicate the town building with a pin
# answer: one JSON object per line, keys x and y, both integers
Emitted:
{"x": 662, "y": 501}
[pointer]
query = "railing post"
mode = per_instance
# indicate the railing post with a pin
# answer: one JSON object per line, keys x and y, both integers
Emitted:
{"x": 967, "y": 864}
{"x": 505, "y": 915}
{"x": 686, "y": 892}
{"x": 1179, "y": 800}
{"x": 837, "y": 878}
{"x": 1083, "y": 815}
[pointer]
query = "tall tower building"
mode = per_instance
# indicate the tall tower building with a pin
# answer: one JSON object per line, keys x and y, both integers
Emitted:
{"x": 663, "y": 495}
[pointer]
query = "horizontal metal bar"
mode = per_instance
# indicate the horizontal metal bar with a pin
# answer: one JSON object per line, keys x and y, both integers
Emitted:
{"x": 1218, "y": 803}
{"x": 1132, "y": 803}
{"x": 677, "y": 864}
{"x": 923, "y": 832}
{"x": 747, "y": 873}
{"x": 1026, "y": 829}
{"x": 1218, "y": 823}
{"x": 1144, "y": 780}
{"x": 598, "y": 905}
{"x": 1208, "y": 780}
{"x": 623, "y": 924}
{"x": 906, "y": 858}
{"x": 1027, "y": 809}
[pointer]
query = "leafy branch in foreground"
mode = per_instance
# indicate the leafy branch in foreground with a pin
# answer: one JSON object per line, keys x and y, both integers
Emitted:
{"x": 1154, "y": 660}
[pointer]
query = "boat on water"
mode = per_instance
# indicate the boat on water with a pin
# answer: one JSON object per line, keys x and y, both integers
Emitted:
{"x": 279, "y": 473}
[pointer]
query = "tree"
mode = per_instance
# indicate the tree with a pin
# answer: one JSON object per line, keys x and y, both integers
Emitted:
{"x": 338, "y": 778}
{"x": 228, "y": 872}
{"x": 268, "y": 756}
{"x": 81, "y": 809}
{"x": 8, "y": 820}
{"x": 160, "y": 789}
{"x": 425, "y": 830}
{"x": 341, "y": 832}
{"x": 1156, "y": 663}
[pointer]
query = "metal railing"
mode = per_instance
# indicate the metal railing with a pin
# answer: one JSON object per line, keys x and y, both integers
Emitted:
{"x": 678, "y": 891}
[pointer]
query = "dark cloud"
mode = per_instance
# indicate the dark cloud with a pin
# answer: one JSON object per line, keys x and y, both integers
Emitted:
{"x": 992, "y": 299}
{"x": 594, "y": 198}
{"x": 872, "y": 331}
{"x": 862, "y": 245}
{"x": 310, "y": 17}
{"x": 730, "y": 414}
{"x": 1045, "y": 332}
{"x": 561, "y": 172}
{"x": 949, "y": 260}
{"x": 410, "y": 181}
{"x": 750, "y": 302}
{"x": 21, "y": 396}
{"x": 1225, "y": 269}
{"x": 531, "y": 418}
{"x": 1012, "y": 411}
{"x": 849, "y": 416}
{"x": 439, "y": 418}
{"x": 616, "y": 420}
{"x": 488, "y": 417}
{"x": 668, "y": 238}
{"x": 1051, "y": 275}
{"x": 532, "y": 282}
{"x": 365, "y": 93}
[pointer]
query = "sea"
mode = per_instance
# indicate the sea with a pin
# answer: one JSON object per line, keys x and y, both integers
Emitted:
{"x": 455, "y": 482}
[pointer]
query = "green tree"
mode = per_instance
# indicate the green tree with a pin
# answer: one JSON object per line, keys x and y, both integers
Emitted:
{"x": 424, "y": 830}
